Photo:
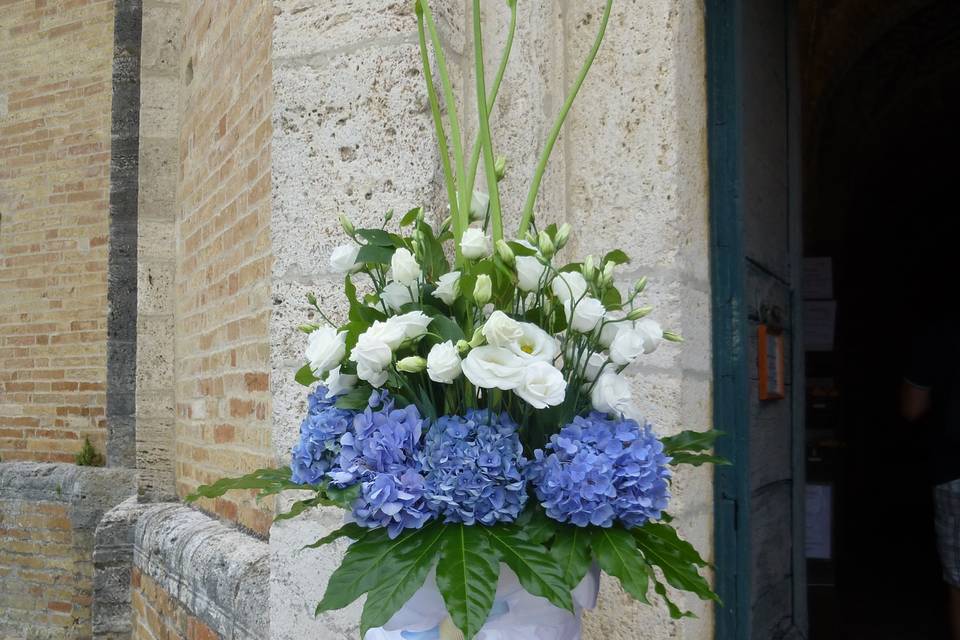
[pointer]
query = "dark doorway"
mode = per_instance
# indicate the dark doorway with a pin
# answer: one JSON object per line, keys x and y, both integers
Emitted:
{"x": 880, "y": 157}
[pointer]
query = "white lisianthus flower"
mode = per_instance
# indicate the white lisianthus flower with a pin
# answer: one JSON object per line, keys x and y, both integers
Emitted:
{"x": 628, "y": 344}
{"x": 611, "y": 394}
{"x": 344, "y": 259}
{"x": 493, "y": 368}
{"x": 390, "y": 333}
{"x": 443, "y": 362}
{"x": 374, "y": 349}
{"x": 479, "y": 204}
{"x": 530, "y": 273}
{"x": 543, "y": 385}
{"x": 593, "y": 365}
{"x": 448, "y": 287}
{"x": 569, "y": 284}
{"x": 395, "y": 295}
{"x": 501, "y": 330}
{"x": 339, "y": 383}
{"x": 583, "y": 316}
{"x": 325, "y": 349}
{"x": 652, "y": 334}
{"x": 483, "y": 289}
{"x": 413, "y": 323}
{"x": 475, "y": 244}
{"x": 405, "y": 269}
{"x": 610, "y": 328}
{"x": 376, "y": 377}
{"x": 534, "y": 344}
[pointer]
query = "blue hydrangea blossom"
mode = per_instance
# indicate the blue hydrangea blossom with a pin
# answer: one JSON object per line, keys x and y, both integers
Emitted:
{"x": 320, "y": 433}
{"x": 474, "y": 468}
{"x": 597, "y": 470}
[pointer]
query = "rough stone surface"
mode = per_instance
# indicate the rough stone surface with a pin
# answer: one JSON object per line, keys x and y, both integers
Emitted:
{"x": 216, "y": 573}
{"x": 112, "y": 567}
{"x": 48, "y": 518}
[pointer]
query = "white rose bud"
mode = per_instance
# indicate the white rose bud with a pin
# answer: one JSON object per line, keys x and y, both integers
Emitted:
{"x": 626, "y": 346}
{"x": 395, "y": 295}
{"x": 506, "y": 253}
{"x": 376, "y": 377}
{"x": 448, "y": 287}
{"x": 482, "y": 290}
{"x": 325, "y": 349}
{"x": 411, "y": 364}
{"x": 651, "y": 332}
{"x": 569, "y": 285}
{"x": 530, "y": 273}
{"x": 594, "y": 365}
{"x": 545, "y": 244}
{"x": 339, "y": 383}
{"x": 347, "y": 225}
{"x": 475, "y": 244}
{"x": 344, "y": 259}
{"x": 478, "y": 205}
{"x": 583, "y": 316}
{"x": 563, "y": 234}
{"x": 414, "y": 324}
{"x": 406, "y": 271}
{"x": 589, "y": 270}
{"x": 611, "y": 394}
{"x": 607, "y": 277}
{"x": 543, "y": 385}
{"x": 501, "y": 330}
{"x": 443, "y": 362}
{"x": 491, "y": 367}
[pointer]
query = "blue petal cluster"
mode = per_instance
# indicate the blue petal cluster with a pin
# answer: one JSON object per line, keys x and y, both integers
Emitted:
{"x": 597, "y": 470}
{"x": 474, "y": 468}
{"x": 320, "y": 433}
{"x": 380, "y": 452}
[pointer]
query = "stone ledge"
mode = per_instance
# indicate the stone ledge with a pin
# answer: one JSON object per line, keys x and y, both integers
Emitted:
{"x": 112, "y": 566}
{"x": 222, "y": 576}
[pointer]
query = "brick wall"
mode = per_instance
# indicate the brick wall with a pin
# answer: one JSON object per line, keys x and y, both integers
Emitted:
{"x": 158, "y": 616}
{"x": 223, "y": 251}
{"x": 55, "y": 83}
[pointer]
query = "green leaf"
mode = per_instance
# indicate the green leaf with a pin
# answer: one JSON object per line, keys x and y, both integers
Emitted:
{"x": 675, "y": 612}
{"x": 697, "y": 459}
{"x": 305, "y": 376}
{"x": 361, "y": 568}
{"x": 446, "y": 329}
{"x": 521, "y": 250}
{"x": 343, "y": 498}
{"x": 537, "y": 571}
{"x": 467, "y": 576}
{"x": 617, "y": 257}
{"x": 355, "y": 400}
{"x": 571, "y": 552}
{"x": 401, "y": 575}
{"x": 300, "y": 506}
{"x": 612, "y": 298}
{"x": 349, "y": 530}
{"x": 617, "y": 554}
{"x": 359, "y": 312}
{"x": 268, "y": 481}
{"x": 690, "y": 441}
{"x": 409, "y": 217}
{"x": 677, "y": 559}
{"x": 375, "y": 254}
{"x": 376, "y": 236}
{"x": 538, "y": 527}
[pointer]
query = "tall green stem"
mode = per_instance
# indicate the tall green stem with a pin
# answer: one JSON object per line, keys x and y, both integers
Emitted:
{"x": 492, "y": 97}
{"x": 438, "y": 126}
{"x": 555, "y": 131}
{"x": 484, "y": 134}
{"x": 461, "y": 219}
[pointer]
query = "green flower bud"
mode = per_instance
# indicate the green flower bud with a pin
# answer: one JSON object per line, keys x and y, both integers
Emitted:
{"x": 530, "y": 237}
{"x": 641, "y": 285}
{"x": 638, "y": 313}
{"x": 308, "y": 327}
{"x": 546, "y": 245}
{"x": 607, "y": 276}
{"x": 500, "y": 167}
{"x": 483, "y": 290}
{"x": 477, "y": 339}
{"x": 347, "y": 225}
{"x": 463, "y": 346}
{"x": 388, "y": 216}
{"x": 506, "y": 253}
{"x": 563, "y": 234}
{"x": 670, "y": 336}
{"x": 312, "y": 299}
{"x": 589, "y": 270}
{"x": 412, "y": 364}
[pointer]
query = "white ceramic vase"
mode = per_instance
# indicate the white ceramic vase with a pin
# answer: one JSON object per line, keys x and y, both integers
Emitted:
{"x": 516, "y": 614}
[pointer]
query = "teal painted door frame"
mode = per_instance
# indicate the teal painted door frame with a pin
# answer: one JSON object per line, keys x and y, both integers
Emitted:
{"x": 730, "y": 344}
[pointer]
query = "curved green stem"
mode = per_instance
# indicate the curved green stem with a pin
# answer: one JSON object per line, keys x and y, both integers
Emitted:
{"x": 555, "y": 131}
{"x": 492, "y": 97}
{"x": 484, "y": 133}
{"x": 438, "y": 125}
{"x": 461, "y": 219}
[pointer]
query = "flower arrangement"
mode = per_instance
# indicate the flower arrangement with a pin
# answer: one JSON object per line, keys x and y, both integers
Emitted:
{"x": 473, "y": 408}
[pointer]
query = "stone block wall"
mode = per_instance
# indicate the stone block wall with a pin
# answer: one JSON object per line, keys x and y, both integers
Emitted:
{"x": 55, "y": 117}
{"x": 222, "y": 290}
{"x": 48, "y": 518}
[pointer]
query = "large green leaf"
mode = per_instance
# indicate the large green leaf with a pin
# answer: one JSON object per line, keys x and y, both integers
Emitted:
{"x": 267, "y": 481}
{"x": 300, "y": 506}
{"x": 571, "y": 552}
{"x": 675, "y": 611}
{"x": 446, "y": 328}
{"x": 349, "y": 530}
{"x": 536, "y": 525}
{"x": 677, "y": 559}
{"x": 690, "y": 441}
{"x": 377, "y": 237}
{"x": 467, "y": 576}
{"x": 401, "y": 575}
{"x": 696, "y": 459}
{"x": 617, "y": 554}
{"x": 375, "y": 254}
{"x": 305, "y": 376}
{"x": 361, "y": 568}
{"x": 536, "y": 570}
{"x": 359, "y": 312}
